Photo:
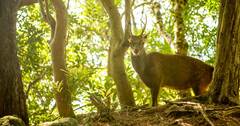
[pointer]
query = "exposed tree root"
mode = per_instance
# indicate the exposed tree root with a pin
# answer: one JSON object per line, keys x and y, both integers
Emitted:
{"x": 177, "y": 113}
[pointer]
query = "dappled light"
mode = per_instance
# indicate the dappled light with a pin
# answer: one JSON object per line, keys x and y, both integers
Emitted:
{"x": 119, "y": 62}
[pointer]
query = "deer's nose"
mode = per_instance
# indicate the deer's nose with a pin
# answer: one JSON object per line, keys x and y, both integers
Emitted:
{"x": 136, "y": 51}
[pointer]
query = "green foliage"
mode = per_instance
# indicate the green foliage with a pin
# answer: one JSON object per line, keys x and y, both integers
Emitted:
{"x": 87, "y": 50}
{"x": 36, "y": 66}
{"x": 201, "y": 28}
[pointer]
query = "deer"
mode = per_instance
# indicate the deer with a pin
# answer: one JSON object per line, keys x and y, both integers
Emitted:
{"x": 158, "y": 70}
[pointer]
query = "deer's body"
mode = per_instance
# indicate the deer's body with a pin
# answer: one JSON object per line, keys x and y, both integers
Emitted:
{"x": 174, "y": 71}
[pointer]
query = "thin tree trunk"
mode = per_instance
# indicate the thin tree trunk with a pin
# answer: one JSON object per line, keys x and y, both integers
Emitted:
{"x": 117, "y": 51}
{"x": 180, "y": 42}
{"x": 12, "y": 98}
{"x": 181, "y": 45}
{"x": 226, "y": 80}
{"x": 63, "y": 95}
{"x": 156, "y": 10}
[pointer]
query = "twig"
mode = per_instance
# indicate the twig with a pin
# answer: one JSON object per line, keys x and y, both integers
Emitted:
{"x": 143, "y": 4}
{"x": 99, "y": 104}
{"x": 205, "y": 115}
{"x": 233, "y": 107}
{"x": 137, "y": 6}
{"x": 198, "y": 107}
{"x": 181, "y": 102}
{"x": 30, "y": 85}
{"x": 80, "y": 107}
{"x": 232, "y": 110}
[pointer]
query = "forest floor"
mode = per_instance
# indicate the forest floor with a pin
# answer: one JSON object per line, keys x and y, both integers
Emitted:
{"x": 177, "y": 113}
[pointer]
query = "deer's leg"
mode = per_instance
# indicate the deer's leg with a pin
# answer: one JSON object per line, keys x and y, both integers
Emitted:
{"x": 196, "y": 89}
{"x": 154, "y": 93}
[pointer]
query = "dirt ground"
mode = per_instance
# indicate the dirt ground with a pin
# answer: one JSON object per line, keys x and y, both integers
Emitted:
{"x": 178, "y": 113}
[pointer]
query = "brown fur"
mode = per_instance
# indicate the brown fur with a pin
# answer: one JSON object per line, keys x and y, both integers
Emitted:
{"x": 174, "y": 71}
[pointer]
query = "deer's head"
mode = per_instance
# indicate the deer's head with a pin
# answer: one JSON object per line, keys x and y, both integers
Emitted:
{"x": 136, "y": 44}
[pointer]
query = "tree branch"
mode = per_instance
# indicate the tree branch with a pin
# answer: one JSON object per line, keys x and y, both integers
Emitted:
{"x": 47, "y": 17}
{"x": 115, "y": 20}
{"x": 127, "y": 22}
{"x": 30, "y": 85}
{"x": 143, "y": 4}
{"x": 27, "y": 2}
{"x": 204, "y": 115}
{"x": 137, "y": 6}
{"x": 156, "y": 10}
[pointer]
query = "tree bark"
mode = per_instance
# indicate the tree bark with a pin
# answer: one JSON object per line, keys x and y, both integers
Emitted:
{"x": 156, "y": 10}
{"x": 181, "y": 45}
{"x": 27, "y": 2}
{"x": 226, "y": 80}
{"x": 12, "y": 98}
{"x": 180, "y": 42}
{"x": 63, "y": 95}
{"x": 118, "y": 47}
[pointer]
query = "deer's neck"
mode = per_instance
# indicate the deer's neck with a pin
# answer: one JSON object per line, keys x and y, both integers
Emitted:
{"x": 139, "y": 61}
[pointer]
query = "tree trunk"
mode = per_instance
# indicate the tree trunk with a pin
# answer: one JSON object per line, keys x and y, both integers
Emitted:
{"x": 157, "y": 12}
{"x": 116, "y": 56}
{"x": 226, "y": 80}
{"x": 180, "y": 42}
{"x": 12, "y": 98}
{"x": 63, "y": 95}
{"x": 179, "y": 28}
